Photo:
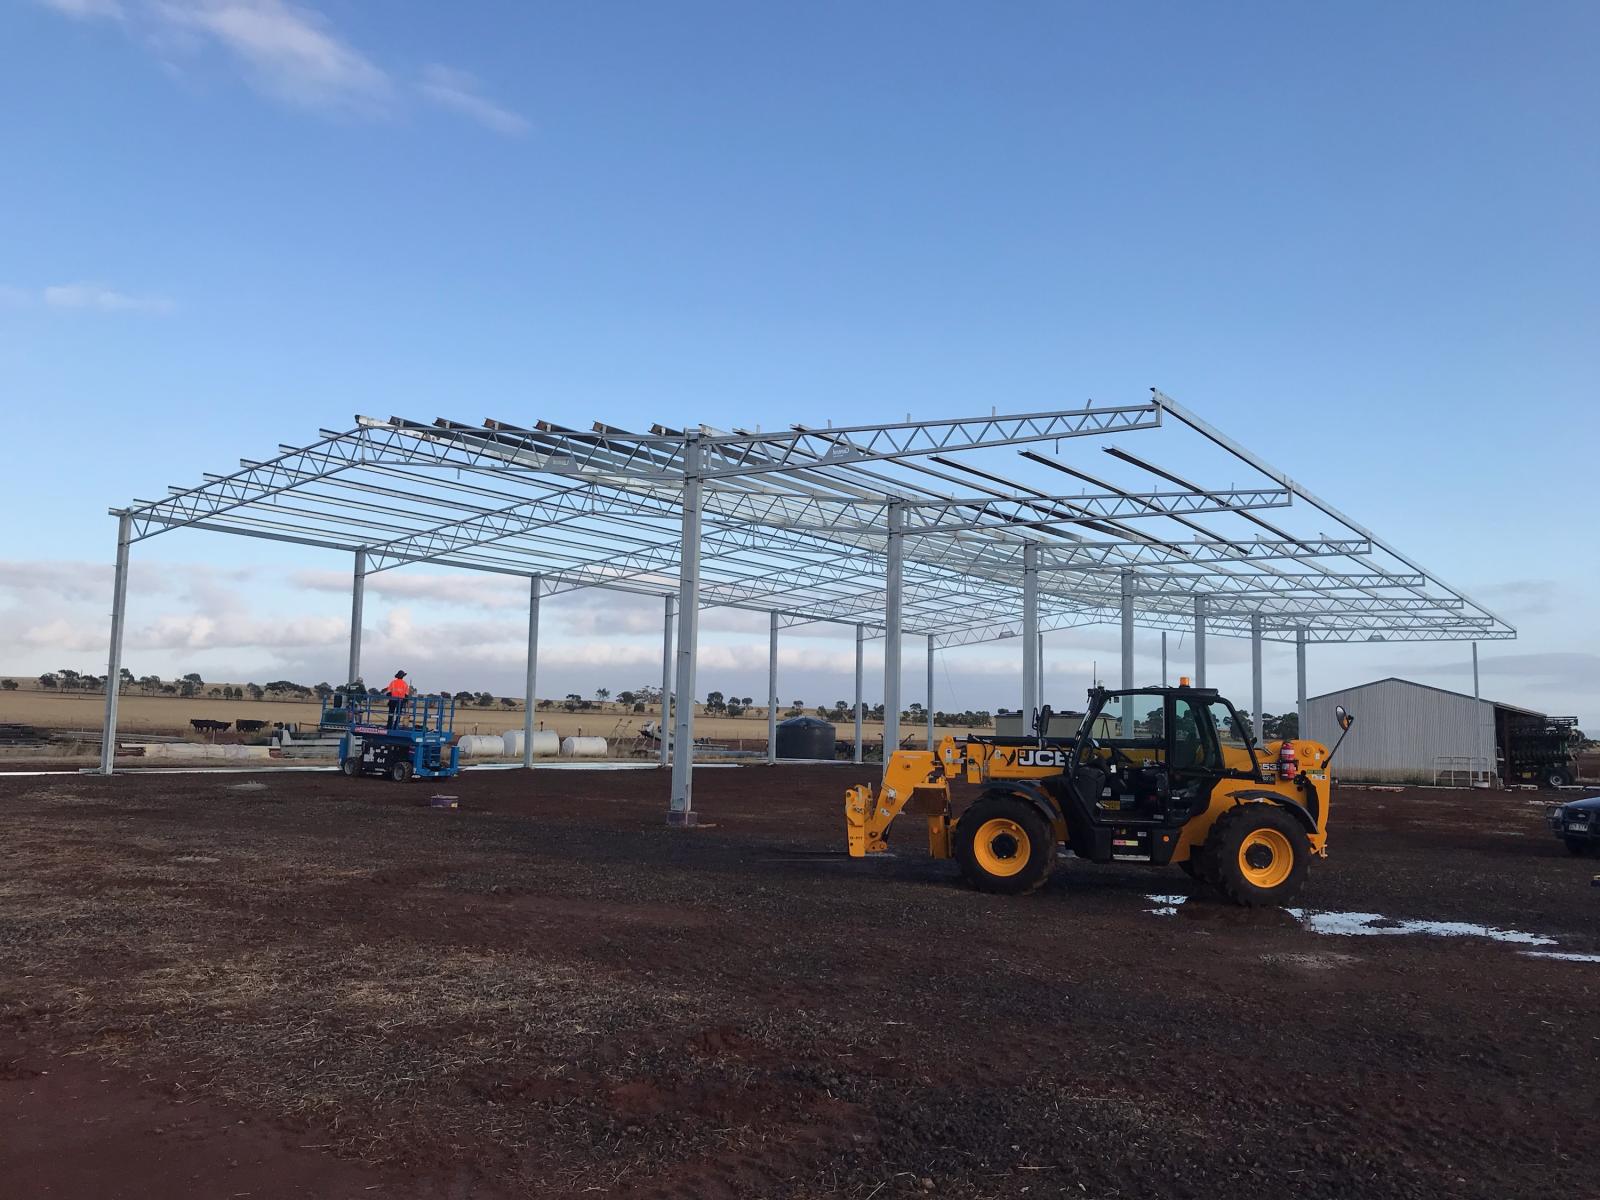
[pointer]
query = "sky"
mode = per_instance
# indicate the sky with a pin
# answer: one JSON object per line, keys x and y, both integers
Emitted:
{"x": 1359, "y": 238}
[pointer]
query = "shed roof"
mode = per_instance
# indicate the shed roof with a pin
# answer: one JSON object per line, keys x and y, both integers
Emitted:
{"x": 1426, "y": 687}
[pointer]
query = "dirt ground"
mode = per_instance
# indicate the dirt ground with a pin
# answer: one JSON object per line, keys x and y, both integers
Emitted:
{"x": 301, "y": 985}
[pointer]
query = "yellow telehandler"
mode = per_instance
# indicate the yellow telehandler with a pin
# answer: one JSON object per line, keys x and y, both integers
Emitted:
{"x": 1190, "y": 787}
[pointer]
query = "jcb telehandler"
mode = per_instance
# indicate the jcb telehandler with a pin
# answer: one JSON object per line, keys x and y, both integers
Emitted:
{"x": 1193, "y": 789}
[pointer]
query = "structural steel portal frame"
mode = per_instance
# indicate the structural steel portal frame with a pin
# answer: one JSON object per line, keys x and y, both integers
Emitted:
{"x": 960, "y": 531}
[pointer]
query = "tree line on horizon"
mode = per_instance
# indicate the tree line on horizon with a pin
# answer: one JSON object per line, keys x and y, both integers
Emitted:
{"x": 637, "y": 700}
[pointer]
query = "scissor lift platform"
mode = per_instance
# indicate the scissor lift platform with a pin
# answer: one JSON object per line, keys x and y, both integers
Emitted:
{"x": 418, "y": 739}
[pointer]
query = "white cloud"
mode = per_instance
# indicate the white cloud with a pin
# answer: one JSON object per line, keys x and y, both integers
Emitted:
{"x": 99, "y": 297}
{"x": 32, "y": 583}
{"x": 290, "y": 51}
{"x": 86, "y": 10}
{"x": 472, "y": 591}
{"x": 459, "y": 91}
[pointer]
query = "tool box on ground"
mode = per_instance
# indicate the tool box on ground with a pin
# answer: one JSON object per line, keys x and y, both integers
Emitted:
{"x": 416, "y": 739}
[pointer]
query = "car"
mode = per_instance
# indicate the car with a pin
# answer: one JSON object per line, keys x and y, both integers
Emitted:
{"x": 1577, "y": 823}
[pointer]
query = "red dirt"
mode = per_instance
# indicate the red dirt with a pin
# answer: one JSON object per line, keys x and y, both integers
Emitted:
{"x": 550, "y": 993}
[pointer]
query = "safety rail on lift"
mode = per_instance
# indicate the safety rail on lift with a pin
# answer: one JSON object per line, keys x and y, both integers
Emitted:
{"x": 344, "y": 710}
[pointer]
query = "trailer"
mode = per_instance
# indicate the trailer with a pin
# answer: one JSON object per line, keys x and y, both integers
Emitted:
{"x": 417, "y": 739}
{"x": 1539, "y": 749}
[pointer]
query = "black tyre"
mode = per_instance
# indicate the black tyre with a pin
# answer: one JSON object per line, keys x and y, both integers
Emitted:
{"x": 351, "y": 767}
{"x": 1004, "y": 845}
{"x": 400, "y": 770}
{"x": 1259, "y": 855}
{"x": 1557, "y": 777}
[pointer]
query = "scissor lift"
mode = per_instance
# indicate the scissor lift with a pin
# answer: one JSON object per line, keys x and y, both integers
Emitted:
{"x": 421, "y": 741}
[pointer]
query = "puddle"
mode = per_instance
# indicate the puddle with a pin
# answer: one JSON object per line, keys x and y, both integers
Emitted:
{"x": 247, "y": 787}
{"x": 1563, "y": 955}
{"x": 1349, "y": 924}
{"x": 196, "y": 858}
{"x": 1359, "y": 924}
{"x": 1166, "y": 906}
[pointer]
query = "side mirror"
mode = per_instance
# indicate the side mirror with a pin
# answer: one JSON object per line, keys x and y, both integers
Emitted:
{"x": 1343, "y": 716}
{"x": 1041, "y": 721}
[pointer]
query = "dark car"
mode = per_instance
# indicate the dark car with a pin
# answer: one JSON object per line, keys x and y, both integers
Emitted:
{"x": 1578, "y": 824}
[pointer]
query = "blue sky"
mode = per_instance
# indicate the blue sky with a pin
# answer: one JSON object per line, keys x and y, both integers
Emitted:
{"x": 1358, "y": 237}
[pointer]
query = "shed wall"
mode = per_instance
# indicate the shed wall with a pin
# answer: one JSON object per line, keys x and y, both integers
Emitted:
{"x": 1400, "y": 730}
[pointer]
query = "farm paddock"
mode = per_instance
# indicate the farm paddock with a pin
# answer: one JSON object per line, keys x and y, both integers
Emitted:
{"x": 294, "y": 984}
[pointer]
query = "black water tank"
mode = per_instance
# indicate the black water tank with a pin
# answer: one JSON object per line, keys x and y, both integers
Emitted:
{"x": 805, "y": 737}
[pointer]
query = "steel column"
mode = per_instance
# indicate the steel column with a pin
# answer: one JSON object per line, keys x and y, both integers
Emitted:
{"x": 1255, "y": 674}
{"x": 772, "y": 691}
{"x": 532, "y": 687}
{"x": 930, "y": 691}
{"x": 891, "y": 630}
{"x": 358, "y": 591}
{"x": 1199, "y": 641}
{"x": 1300, "y": 679}
{"x": 861, "y": 645}
{"x": 1043, "y": 691}
{"x": 1128, "y": 585}
{"x": 1163, "y": 658}
{"x": 119, "y": 607}
{"x": 1477, "y": 735}
{"x": 1030, "y": 633}
{"x": 682, "y": 802}
{"x": 664, "y": 725}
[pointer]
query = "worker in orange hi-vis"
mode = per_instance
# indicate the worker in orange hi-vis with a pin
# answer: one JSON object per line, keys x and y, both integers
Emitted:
{"x": 399, "y": 692}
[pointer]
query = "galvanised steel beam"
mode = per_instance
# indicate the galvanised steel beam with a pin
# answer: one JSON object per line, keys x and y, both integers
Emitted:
{"x": 1194, "y": 551}
{"x": 825, "y": 515}
{"x": 1247, "y": 597}
{"x": 643, "y": 456}
{"x": 1368, "y": 634}
{"x": 1216, "y": 436}
{"x": 802, "y": 447}
{"x": 1000, "y": 631}
{"x": 762, "y": 506}
{"x": 540, "y": 512}
{"x": 1195, "y": 526}
{"x": 728, "y": 503}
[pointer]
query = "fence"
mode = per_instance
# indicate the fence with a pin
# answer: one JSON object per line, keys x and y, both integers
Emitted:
{"x": 1462, "y": 770}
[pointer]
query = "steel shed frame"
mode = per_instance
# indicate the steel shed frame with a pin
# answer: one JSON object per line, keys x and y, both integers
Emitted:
{"x": 959, "y": 531}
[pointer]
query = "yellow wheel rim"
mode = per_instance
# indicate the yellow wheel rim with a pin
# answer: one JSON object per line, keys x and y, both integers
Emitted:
{"x": 1001, "y": 846}
{"x": 1265, "y": 858}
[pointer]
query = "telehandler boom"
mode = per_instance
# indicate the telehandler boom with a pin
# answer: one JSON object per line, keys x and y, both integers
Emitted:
{"x": 1193, "y": 788}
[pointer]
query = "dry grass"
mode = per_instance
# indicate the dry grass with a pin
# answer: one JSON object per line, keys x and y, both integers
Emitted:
{"x": 171, "y": 714}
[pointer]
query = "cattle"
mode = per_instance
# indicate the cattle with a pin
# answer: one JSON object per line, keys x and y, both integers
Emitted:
{"x": 203, "y": 726}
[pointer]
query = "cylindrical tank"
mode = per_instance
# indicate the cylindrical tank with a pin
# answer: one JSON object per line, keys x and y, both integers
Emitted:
{"x": 583, "y": 747}
{"x": 805, "y": 737}
{"x": 546, "y": 743}
{"x": 481, "y": 745}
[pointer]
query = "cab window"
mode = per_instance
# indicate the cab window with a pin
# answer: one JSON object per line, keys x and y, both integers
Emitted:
{"x": 1231, "y": 728}
{"x": 1192, "y": 743}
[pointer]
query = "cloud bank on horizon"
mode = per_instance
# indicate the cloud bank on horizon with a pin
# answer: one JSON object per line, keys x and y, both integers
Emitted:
{"x": 460, "y": 630}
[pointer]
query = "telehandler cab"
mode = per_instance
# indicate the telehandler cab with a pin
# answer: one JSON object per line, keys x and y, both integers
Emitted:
{"x": 1193, "y": 789}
